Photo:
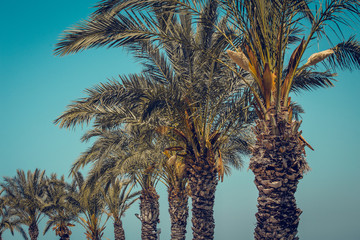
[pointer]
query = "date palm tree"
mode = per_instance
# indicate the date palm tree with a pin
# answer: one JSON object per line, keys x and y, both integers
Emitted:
{"x": 119, "y": 198}
{"x": 173, "y": 175}
{"x": 25, "y": 194}
{"x": 61, "y": 214}
{"x": 90, "y": 204}
{"x": 8, "y": 221}
{"x": 270, "y": 29}
{"x": 267, "y": 30}
{"x": 117, "y": 153}
{"x": 203, "y": 102}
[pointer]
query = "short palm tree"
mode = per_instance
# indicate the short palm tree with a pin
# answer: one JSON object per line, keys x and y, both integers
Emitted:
{"x": 270, "y": 30}
{"x": 91, "y": 206}
{"x": 118, "y": 153}
{"x": 8, "y": 221}
{"x": 25, "y": 194}
{"x": 118, "y": 198}
{"x": 61, "y": 214}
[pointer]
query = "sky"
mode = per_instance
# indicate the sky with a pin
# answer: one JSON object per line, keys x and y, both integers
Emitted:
{"x": 36, "y": 86}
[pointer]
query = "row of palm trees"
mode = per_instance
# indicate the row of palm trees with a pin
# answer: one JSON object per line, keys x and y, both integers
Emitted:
{"x": 215, "y": 85}
{"x": 213, "y": 69}
{"x": 27, "y": 197}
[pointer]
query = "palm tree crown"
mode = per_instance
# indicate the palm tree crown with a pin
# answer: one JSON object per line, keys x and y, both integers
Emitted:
{"x": 26, "y": 195}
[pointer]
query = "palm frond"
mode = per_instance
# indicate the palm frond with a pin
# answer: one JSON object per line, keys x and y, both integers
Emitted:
{"x": 346, "y": 55}
{"x": 310, "y": 80}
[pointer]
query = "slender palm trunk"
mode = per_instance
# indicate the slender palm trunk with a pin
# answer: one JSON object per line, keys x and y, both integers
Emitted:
{"x": 278, "y": 162}
{"x": 33, "y": 231}
{"x": 179, "y": 211}
{"x": 203, "y": 181}
{"x": 1, "y": 235}
{"x": 119, "y": 230}
{"x": 149, "y": 210}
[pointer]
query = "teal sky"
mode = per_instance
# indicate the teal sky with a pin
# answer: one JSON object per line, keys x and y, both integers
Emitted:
{"x": 36, "y": 86}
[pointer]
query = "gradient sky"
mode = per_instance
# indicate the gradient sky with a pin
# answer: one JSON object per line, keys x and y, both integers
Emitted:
{"x": 36, "y": 86}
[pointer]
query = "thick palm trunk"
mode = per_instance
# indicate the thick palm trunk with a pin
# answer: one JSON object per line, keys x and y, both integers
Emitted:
{"x": 149, "y": 210}
{"x": 33, "y": 231}
{"x": 179, "y": 211}
{"x": 203, "y": 181}
{"x": 119, "y": 230}
{"x": 278, "y": 163}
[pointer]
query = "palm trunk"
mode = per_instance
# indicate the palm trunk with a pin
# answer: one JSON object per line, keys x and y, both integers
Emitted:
{"x": 33, "y": 231}
{"x": 1, "y": 235}
{"x": 64, "y": 232}
{"x": 149, "y": 210}
{"x": 179, "y": 211}
{"x": 278, "y": 162}
{"x": 119, "y": 230}
{"x": 64, "y": 237}
{"x": 202, "y": 182}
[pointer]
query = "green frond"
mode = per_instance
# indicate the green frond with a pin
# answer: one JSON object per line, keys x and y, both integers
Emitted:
{"x": 310, "y": 80}
{"x": 346, "y": 55}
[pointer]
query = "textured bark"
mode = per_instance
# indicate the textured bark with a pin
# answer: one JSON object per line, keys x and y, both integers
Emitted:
{"x": 278, "y": 162}
{"x": 119, "y": 230}
{"x": 33, "y": 231}
{"x": 203, "y": 181}
{"x": 149, "y": 209}
{"x": 179, "y": 212}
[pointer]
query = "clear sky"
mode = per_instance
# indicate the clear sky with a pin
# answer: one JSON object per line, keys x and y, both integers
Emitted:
{"x": 36, "y": 86}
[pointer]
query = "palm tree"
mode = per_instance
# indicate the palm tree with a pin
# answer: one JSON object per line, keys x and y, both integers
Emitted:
{"x": 118, "y": 198}
{"x": 8, "y": 221}
{"x": 203, "y": 102}
{"x": 25, "y": 195}
{"x": 115, "y": 144}
{"x": 118, "y": 153}
{"x": 269, "y": 30}
{"x": 57, "y": 208}
{"x": 91, "y": 204}
{"x": 178, "y": 194}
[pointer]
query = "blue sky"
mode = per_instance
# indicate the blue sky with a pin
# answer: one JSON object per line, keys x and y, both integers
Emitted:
{"x": 36, "y": 86}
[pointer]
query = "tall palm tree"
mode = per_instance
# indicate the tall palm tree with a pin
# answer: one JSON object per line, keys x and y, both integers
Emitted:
{"x": 61, "y": 214}
{"x": 270, "y": 29}
{"x": 25, "y": 194}
{"x": 203, "y": 102}
{"x": 267, "y": 29}
{"x": 8, "y": 221}
{"x": 118, "y": 198}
